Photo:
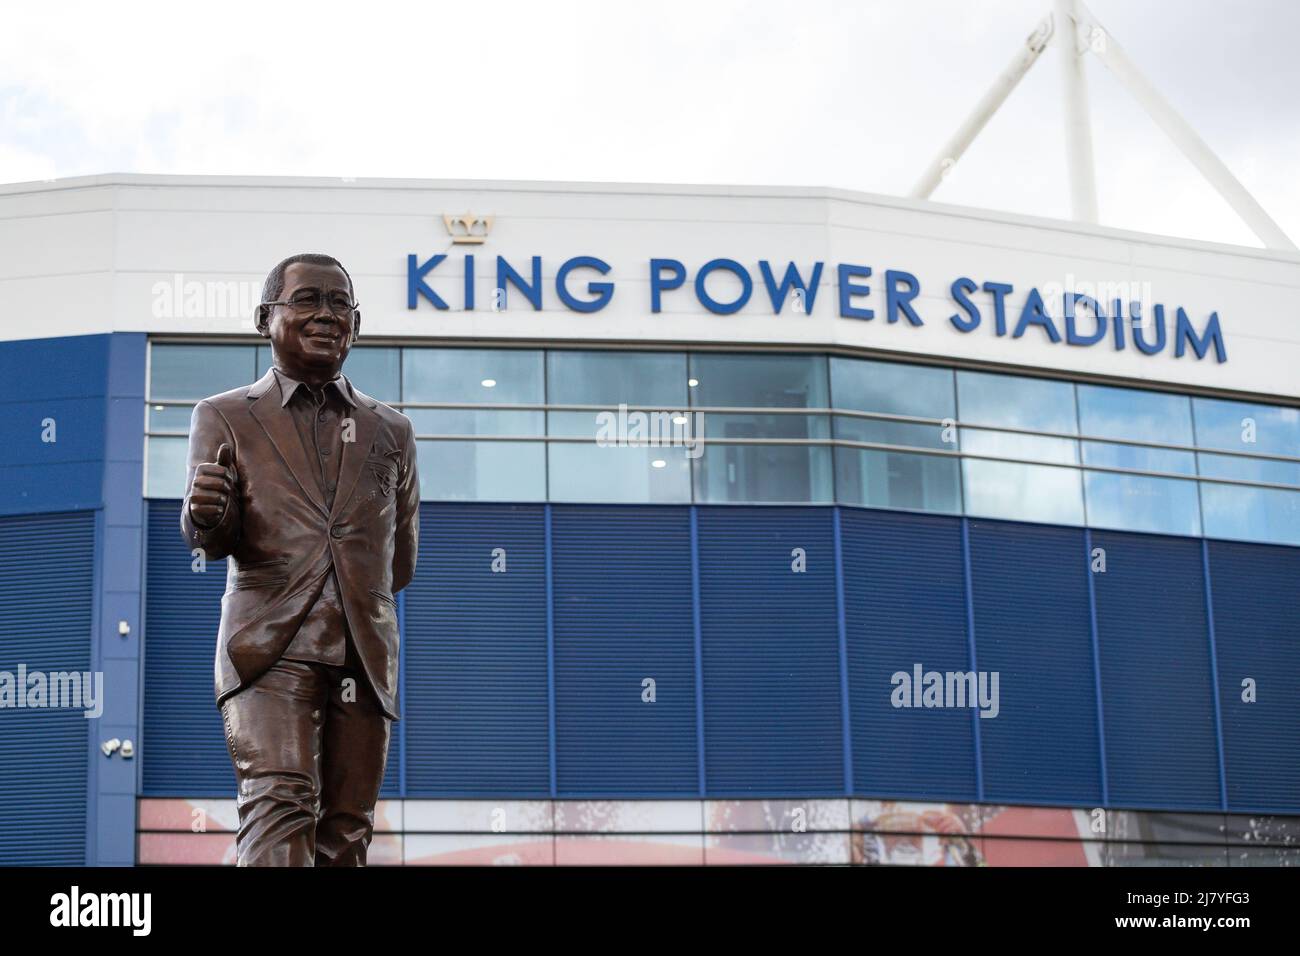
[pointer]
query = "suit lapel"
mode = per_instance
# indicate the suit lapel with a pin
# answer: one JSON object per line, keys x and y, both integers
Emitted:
{"x": 355, "y": 451}
{"x": 278, "y": 425}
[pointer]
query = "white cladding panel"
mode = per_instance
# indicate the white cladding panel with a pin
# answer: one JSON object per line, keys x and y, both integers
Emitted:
{"x": 105, "y": 254}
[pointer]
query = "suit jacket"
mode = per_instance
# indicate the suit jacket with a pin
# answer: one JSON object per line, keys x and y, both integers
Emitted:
{"x": 282, "y": 540}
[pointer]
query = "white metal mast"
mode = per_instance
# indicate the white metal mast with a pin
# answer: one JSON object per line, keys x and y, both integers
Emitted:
{"x": 1078, "y": 32}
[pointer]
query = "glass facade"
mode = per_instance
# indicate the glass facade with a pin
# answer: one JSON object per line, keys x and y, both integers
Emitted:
{"x": 630, "y": 426}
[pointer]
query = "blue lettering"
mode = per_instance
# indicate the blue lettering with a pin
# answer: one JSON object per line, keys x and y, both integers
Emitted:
{"x": 723, "y": 308}
{"x": 961, "y": 290}
{"x": 603, "y": 291}
{"x": 1034, "y": 314}
{"x": 1185, "y": 335}
{"x": 1140, "y": 340}
{"x": 848, "y": 290}
{"x": 791, "y": 279}
{"x": 999, "y": 291}
{"x": 1071, "y": 302}
{"x": 896, "y": 300}
{"x": 659, "y": 285}
{"x": 532, "y": 290}
{"x": 415, "y": 284}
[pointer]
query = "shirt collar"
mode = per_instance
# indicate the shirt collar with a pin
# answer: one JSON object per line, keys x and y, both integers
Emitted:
{"x": 289, "y": 385}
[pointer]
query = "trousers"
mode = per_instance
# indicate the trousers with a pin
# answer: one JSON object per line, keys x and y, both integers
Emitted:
{"x": 309, "y": 743}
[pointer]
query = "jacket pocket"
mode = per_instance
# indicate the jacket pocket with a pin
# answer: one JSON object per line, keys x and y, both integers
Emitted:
{"x": 262, "y": 574}
{"x": 383, "y": 596}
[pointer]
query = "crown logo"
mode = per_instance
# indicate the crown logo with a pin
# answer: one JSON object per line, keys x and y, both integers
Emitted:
{"x": 468, "y": 228}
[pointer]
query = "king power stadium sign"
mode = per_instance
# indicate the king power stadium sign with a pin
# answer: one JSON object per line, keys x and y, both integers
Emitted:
{"x": 1081, "y": 320}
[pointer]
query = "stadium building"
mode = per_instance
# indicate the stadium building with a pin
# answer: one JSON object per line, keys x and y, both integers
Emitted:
{"x": 758, "y": 524}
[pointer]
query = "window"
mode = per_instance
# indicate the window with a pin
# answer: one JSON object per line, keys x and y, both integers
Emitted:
{"x": 793, "y": 429}
{"x": 1006, "y": 489}
{"x": 742, "y": 462}
{"x": 890, "y": 479}
{"x": 1134, "y": 502}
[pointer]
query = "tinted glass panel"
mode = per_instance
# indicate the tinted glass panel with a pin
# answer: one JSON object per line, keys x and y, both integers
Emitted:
{"x": 651, "y": 379}
{"x": 1023, "y": 492}
{"x": 763, "y": 473}
{"x": 879, "y": 479}
{"x": 196, "y": 371}
{"x": 1137, "y": 503}
{"x": 482, "y": 471}
{"x": 506, "y": 376}
{"x": 759, "y": 381}
{"x": 588, "y": 472}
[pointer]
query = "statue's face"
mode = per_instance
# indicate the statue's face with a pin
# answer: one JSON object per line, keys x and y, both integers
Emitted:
{"x": 311, "y": 344}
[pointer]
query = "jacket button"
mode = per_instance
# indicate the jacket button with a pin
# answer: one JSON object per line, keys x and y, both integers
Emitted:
{"x": 336, "y": 531}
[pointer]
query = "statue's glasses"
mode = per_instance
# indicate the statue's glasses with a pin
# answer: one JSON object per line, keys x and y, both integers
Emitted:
{"x": 308, "y": 302}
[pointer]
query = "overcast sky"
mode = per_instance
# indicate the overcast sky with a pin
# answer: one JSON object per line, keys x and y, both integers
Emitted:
{"x": 855, "y": 95}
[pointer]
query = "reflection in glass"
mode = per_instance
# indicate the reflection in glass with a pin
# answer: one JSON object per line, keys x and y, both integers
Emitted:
{"x": 498, "y": 376}
{"x": 589, "y": 472}
{"x": 893, "y": 388}
{"x": 1138, "y": 503}
{"x": 192, "y": 372}
{"x": 763, "y": 473}
{"x": 1129, "y": 413}
{"x": 482, "y": 471}
{"x": 1044, "y": 493}
{"x": 376, "y": 371}
{"x": 1249, "y": 428}
{"x": 759, "y": 381}
{"x": 474, "y": 421}
{"x": 1242, "y": 513}
{"x": 987, "y": 399}
{"x": 1106, "y": 412}
{"x": 879, "y": 479}
{"x": 1108, "y": 455}
{"x": 170, "y": 418}
{"x": 167, "y": 460}
{"x": 648, "y": 379}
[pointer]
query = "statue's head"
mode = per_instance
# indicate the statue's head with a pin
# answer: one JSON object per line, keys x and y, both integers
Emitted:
{"x": 309, "y": 312}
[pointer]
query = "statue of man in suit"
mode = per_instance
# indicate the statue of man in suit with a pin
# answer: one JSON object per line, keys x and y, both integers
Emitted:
{"x": 309, "y": 487}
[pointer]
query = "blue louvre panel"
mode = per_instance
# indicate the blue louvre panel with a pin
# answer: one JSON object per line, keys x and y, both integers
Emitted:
{"x": 1256, "y": 590}
{"x": 1031, "y": 611}
{"x": 46, "y": 612}
{"x": 905, "y": 604}
{"x": 1156, "y": 679}
{"x": 623, "y": 614}
{"x": 772, "y": 714}
{"x": 184, "y": 752}
{"x": 476, "y": 657}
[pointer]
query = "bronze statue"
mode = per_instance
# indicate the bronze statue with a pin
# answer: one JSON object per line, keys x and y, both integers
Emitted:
{"x": 310, "y": 488}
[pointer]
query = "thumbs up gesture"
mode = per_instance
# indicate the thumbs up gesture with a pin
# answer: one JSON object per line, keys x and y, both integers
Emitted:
{"x": 212, "y": 488}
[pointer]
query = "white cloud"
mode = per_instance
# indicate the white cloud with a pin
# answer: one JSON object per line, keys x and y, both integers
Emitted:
{"x": 853, "y": 95}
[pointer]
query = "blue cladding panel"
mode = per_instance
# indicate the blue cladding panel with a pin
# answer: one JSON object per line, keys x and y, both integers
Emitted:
{"x": 905, "y": 603}
{"x": 772, "y": 719}
{"x": 475, "y": 646}
{"x": 80, "y": 363}
{"x": 63, "y": 379}
{"x": 1157, "y": 697}
{"x": 1257, "y": 632}
{"x": 184, "y": 744}
{"x": 46, "y": 612}
{"x": 622, "y": 598}
{"x": 1031, "y": 613}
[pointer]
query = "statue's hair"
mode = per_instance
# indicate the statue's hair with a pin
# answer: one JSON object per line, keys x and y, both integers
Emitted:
{"x": 274, "y": 284}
